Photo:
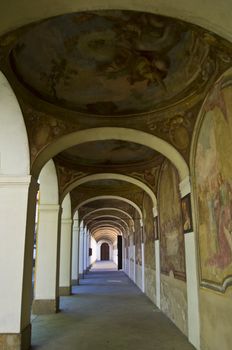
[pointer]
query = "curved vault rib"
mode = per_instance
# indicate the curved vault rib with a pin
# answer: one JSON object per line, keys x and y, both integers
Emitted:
{"x": 112, "y": 133}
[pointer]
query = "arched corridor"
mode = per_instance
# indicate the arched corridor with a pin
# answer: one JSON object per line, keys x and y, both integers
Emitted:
{"x": 115, "y": 175}
{"x": 118, "y": 325}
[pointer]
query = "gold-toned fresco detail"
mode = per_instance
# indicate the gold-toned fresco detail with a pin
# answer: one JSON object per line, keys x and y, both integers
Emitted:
{"x": 213, "y": 181}
{"x": 172, "y": 252}
{"x": 43, "y": 129}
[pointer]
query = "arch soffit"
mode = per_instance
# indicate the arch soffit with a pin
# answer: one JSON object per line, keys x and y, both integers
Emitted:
{"x": 104, "y": 240}
{"x": 109, "y": 228}
{"x": 105, "y": 223}
{"x": 108, "y": 216}
{"x": 112, "y": 133}
{"x": 101, "y": 233}
{"x": 205, "y": 14}
{"x": 123, "y": 199}
{"x": 113, "y": 176}
{"x": 108, "y": 209}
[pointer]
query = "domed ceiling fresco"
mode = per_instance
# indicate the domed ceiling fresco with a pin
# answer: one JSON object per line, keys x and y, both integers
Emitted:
{"x": 110, "y": 62}
{"x": 108, "y": 153}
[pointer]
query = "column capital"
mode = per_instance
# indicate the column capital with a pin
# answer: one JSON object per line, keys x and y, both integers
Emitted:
{"x": 9, "y": 180}
{"x": 66, "y": 221}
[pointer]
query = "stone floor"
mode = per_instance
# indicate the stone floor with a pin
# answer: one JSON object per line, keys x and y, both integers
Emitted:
{"x": 106, "y": 312}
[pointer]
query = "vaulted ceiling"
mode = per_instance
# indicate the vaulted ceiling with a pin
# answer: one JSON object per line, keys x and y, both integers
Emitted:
{"x": 111, "y": 68}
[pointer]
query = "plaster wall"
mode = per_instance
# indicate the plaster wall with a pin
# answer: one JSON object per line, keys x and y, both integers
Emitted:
{"x": 215, "y": 320}
{"x": 150, "y": 283}
{"x": 138, "y": 276}
{"x": 93, "y": 245}
{"x": 14, "y": 151}
{"x": 174, "y": 301}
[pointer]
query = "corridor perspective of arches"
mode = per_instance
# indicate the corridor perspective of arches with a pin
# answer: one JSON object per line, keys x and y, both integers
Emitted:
{"x": 115, "y": 145}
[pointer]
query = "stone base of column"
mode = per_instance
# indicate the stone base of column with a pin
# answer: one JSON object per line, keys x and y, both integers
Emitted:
{"x": 64, "y": 291}
{"x": 45, "y": 306}
{"x": 75, "y": 282}
{"x": 16, "y": 341}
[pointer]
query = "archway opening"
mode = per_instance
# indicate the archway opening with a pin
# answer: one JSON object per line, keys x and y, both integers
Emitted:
{"x": 105, "y": 252}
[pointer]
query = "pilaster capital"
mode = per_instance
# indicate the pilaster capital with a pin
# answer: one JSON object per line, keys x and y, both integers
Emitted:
{"x": 66, "y": 221}
{"x": 17, "y": 181}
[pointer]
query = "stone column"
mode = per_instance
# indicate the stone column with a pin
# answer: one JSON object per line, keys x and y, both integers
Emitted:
{"x": 81, "y": 243}
{"x": 191, "y": 277}
{"x": 46, "y": 298}
{"x": 75, "y": 252}
{"x": 143, "y": 267}
{"x": 134, "y": 275}
{"x": 84, "y": 250}
{"x": 157, "y": 269}
{"x": 17, "y": 222}
{"x": 65, "y": 257}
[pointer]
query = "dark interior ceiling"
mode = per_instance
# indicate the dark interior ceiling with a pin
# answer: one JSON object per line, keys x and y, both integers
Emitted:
{"x": 110, "y": 62}
{"x": 105, "y": 154}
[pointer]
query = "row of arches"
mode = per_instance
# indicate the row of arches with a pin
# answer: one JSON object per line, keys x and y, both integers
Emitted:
{"x": 59, "y": 226}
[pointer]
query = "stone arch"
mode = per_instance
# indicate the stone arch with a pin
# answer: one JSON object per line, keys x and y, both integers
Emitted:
{"x": 112, "y": 133}
{"x": 114, "y": 229}
{"x": 112, "y": 209}
{"x": 98, "y": 234}
{"x": 106, "y": 223}
{"x": 109, "y": 216}
{"x": 113, "y": 197}
{"x": 113, "y": 176}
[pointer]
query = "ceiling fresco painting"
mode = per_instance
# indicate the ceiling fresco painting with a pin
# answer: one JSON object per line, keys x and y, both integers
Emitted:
{"x": 108, "y": 153}
{"x": 111, "y": 62}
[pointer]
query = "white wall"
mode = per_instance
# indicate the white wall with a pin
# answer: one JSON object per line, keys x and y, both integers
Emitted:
{"x": 93, "y": 245}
